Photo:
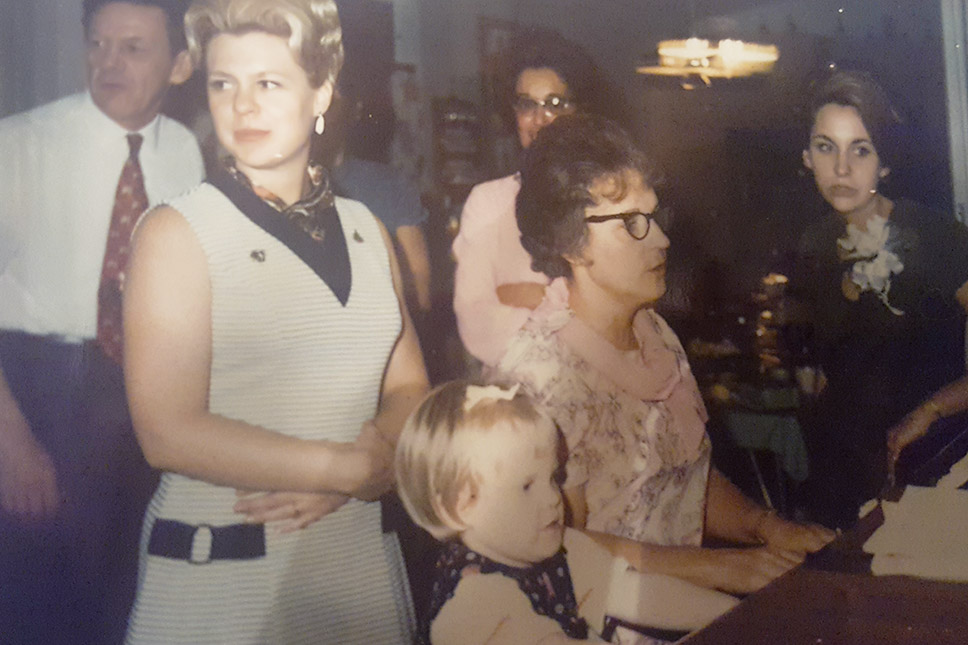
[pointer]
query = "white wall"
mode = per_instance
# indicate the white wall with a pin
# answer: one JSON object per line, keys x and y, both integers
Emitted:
{"x": 42, "y": 52}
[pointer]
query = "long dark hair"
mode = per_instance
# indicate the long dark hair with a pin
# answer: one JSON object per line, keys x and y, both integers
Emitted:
{"x": 536, "y": 48}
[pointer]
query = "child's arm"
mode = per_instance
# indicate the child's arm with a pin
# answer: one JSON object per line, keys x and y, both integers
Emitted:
{"x": 665, "y": 602}
{"x": 490, "y": 609}
{"x": 606, "y": 585}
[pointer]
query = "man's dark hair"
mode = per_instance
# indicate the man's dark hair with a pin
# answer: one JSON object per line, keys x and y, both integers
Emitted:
{"x": 567, "y": 157}
{"x": 174, "y": 12}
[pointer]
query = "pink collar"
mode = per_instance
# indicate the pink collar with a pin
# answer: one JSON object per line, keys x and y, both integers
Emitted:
{"x": 658, "y": 372}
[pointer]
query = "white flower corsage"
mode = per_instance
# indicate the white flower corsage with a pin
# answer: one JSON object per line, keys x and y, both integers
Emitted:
{"x": 875, "y": 262}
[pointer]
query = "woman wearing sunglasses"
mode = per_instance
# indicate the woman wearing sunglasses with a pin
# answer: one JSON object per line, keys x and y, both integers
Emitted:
{"x": 614, "y": 377}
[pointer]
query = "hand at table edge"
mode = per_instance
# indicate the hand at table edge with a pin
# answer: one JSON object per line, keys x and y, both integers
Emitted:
{"x": 784, "y": 535}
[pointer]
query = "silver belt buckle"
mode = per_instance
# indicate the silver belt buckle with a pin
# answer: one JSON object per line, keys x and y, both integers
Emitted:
{"x": 201, "y": 545}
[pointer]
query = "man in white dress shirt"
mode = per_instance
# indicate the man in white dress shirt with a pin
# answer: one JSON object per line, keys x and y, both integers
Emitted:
{"x": 73, "y": 484}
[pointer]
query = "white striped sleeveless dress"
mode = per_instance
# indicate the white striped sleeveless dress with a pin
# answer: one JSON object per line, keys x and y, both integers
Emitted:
{"x": 288, "y": 357}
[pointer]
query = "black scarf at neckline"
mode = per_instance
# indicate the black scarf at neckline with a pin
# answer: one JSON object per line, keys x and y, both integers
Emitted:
{"x": 310, "y": 228}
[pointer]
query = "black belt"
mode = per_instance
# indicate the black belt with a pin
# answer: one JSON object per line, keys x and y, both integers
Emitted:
{"x": 203, "y": 543}
{"x": 612, "y": 623}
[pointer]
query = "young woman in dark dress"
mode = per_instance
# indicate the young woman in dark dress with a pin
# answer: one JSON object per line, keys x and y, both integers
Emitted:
{"x": 885, "y": 281}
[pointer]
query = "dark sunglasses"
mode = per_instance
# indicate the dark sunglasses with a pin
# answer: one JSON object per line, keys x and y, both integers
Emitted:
{"x": 637, "y": 223}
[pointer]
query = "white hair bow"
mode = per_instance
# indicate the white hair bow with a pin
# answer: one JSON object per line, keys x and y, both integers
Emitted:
{"x": 477, "y": 393}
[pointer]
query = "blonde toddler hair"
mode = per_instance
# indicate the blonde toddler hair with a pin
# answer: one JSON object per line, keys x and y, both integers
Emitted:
{"x": 435, "y": 460}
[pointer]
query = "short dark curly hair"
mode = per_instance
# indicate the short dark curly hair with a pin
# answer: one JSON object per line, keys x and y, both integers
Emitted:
{"x": 540, "y": 48}
{"x": 567, "y": 157}
{"x": 174, "y": 12}
{"x": 537, "y": 48}
{"x": 859, "y": 90}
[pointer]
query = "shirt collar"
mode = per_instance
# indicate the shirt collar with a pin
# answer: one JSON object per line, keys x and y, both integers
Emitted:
{"x": 104, "y": 128}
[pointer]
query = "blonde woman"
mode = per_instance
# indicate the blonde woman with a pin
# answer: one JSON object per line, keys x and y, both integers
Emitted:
{"x": 268, "y": 349}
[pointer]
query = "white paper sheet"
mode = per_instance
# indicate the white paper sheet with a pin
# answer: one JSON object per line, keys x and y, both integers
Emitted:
{"x": 925, "y": 534}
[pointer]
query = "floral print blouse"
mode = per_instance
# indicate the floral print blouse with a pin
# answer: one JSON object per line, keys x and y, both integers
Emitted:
{"x": 640, "y": 452}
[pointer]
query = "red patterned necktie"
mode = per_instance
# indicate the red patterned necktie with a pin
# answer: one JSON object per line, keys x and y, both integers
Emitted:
{"x": 130, "y": 201}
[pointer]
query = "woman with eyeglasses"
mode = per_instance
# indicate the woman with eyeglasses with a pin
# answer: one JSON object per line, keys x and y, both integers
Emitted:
{"x": 495, "y": 287}
{"x": 614, "y": 377}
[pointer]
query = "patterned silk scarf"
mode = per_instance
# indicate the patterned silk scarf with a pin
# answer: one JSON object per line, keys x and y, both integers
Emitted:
{"x": 309, "y": 213}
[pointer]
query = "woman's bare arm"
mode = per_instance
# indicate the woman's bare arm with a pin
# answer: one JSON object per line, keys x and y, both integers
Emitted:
{"x": 732, "y": 516}
{"x": 404, "y": 383}
{"x": 167, "y": 365}
{"x": 949, "y": 400}
{"x": 740, "y": 570}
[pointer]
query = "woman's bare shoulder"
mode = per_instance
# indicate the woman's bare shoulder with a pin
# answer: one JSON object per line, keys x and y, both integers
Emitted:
{"x": 162, "y": 222}
{"x": 164, "y": 234}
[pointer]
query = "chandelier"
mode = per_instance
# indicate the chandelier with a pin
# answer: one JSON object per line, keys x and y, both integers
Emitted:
{"x": 726, "y": 58}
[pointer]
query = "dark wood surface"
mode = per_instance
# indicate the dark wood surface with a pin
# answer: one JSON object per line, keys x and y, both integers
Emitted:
{"x": 834, "y": 599}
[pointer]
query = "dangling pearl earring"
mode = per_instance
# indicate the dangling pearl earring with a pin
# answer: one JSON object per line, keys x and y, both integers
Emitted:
{"x": 320, "y": 124}
{"x": 881, "y": 176}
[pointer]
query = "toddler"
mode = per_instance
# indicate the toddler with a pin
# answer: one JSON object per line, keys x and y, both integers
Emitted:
{"x": 478, "y": 468}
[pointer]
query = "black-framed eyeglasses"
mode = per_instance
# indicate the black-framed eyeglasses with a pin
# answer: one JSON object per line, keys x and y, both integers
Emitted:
{"x": 553, "y": 104}
{"x": 636, "y": 222}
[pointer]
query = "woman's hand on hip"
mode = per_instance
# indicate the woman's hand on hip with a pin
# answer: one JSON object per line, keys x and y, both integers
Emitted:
{"x": 521, "y": 294}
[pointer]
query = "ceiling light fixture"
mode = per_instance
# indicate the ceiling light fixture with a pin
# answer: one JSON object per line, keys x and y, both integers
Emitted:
{"x": 707, "y": 59}
{"x": 727, "y": 58}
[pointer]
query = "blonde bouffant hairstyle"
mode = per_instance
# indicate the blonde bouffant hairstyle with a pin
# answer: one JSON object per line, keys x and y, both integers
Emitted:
{"x": 311, "y": 27}
{"x": 435, "y": 456}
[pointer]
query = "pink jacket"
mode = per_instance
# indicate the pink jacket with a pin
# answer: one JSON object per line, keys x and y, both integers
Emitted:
{"x": 489, "y": 253}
